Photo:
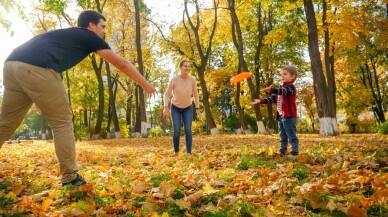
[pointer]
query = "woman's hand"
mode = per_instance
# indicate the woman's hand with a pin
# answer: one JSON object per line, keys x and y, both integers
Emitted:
{"x": 198, "y": 112}
{"x": 166, "y": 111}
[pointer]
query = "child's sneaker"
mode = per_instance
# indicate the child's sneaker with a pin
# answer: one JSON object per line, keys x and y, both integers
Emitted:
{"x": 292, "y": 156}
{"x": 77, "y": 181}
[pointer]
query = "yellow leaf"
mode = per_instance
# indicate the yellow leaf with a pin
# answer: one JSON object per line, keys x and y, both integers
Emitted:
{"x": 207, "y": 188}
{"x": 46, "y": 204}
{"x": 345, "y": 165}
{"x": 165, "y": 214}
{"x": 103, "y": 192}
{"x": 11, "y": 196}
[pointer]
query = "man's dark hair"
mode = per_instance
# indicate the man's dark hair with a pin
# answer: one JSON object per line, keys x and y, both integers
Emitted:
{"x": 88, "y": 16}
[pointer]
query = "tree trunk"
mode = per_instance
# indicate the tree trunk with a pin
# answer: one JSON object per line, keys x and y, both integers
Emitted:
{"x": 328, "y": 123}
{"x": 239, "y": 44}
{"x": 112, "y": 103}
{"x": 142, "y": 110}
{"x": 100, "y": 112}
{"x": 240, "y": 111}
{"x": 370, "y": 81}
{"x": 329, "y": 63}
{"x": 204, "y": 56}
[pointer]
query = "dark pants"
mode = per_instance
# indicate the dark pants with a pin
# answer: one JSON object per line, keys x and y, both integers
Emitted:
{"x": 287, "y": 132}
{"x": 177, "y": 115}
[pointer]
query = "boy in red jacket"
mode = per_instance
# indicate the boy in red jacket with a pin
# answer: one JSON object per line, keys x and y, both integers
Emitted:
{"x": 285, "y": 99}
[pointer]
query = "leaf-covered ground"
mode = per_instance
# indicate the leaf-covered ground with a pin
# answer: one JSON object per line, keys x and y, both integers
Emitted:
{"x": 228, "y": 175}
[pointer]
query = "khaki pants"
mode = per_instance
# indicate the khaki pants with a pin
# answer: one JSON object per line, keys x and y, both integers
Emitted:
{"x": 25, "y": 84}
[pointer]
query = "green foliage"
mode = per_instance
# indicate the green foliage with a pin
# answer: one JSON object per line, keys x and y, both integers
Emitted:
{"x": 155, "y": 181}
{"x": 139, "y": 200}
{"x": 244, "y": 163}
{"x": 216, "y": 214}
{"x": 156, "y": 132}
{"x": 231, "y": 122}
{"x": 104, "y": 200}
{"x": 378, "y": 210}
{"x": 198, "y": 126}
{"x": 250, "y": 161}
{"x": 179, "y": 193}
{"x": 4, "y": 186}
{"x": 383, "y": 129}
{"x": 300, "y": 173}
{"x": 5, "y": 201}
{"x": 173, "y": 210}
{"x": 251, "y": 121}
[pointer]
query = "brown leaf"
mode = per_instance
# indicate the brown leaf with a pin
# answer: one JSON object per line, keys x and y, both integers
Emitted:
{"x": 166, "y": 188}
{"x": 194, "y": 198}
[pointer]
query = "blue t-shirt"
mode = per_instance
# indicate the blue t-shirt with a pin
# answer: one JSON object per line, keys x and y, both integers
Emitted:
{"x": 58, "y": 49}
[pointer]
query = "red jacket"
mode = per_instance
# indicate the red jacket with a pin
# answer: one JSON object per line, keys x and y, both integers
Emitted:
{"x": 288, "y": 93}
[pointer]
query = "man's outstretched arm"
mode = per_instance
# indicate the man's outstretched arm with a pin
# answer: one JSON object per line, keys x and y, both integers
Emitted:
{"x": 128, "y": 69}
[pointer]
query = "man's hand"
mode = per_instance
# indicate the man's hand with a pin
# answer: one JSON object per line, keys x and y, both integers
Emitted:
{"x": 150, "y": 90}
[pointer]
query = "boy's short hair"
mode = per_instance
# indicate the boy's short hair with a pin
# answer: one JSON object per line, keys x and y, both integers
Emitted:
{"x": 88, "y": 16}
{"x": 292, "y": 70}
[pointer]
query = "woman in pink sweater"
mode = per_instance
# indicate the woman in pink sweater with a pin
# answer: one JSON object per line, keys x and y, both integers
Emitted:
{"x": 183, "y": 87}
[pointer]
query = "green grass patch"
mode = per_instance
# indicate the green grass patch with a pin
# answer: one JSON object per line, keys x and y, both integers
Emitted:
{"x": 300, "y": 173}
{"x": 155, "y": 181}
{"x": 173, "y": 210}
{"x": 179, "y": 192}
{"x": 250, "y": 161}
{"x": 138, "y": 201}
{"x": 4, "y": 186}
{"x": 378, "y": 210}
{"x": 104, "y": 200}
{"x": 5, "y": 201}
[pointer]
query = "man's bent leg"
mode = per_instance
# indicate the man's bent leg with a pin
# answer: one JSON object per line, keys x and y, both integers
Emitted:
{"x": 15, "y": 104}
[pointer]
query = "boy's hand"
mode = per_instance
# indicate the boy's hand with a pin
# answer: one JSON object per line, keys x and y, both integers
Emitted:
{"x": 267, "y": 89}
{"x": 256, "y": 101}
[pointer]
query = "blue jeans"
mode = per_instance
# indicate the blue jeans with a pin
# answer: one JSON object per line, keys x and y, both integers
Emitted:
{"x": 177, "y": 115}
{"x": 287, "y": 132}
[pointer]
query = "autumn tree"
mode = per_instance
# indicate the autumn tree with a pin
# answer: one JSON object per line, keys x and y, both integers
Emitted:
{"x": 324, "y": 101}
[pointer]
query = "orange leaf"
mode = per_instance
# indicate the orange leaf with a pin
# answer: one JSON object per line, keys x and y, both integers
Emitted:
{"x": 17, "y": 189}
{"x": 356, "y": 211}
{"x": 49, "y": 182}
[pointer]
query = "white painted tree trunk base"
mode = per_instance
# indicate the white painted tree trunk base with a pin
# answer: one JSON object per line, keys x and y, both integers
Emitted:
{"x": 136, "y": 134}
{"x": 117, "y": 135}
{"x": 96, "y": 136}
{"x": 261, "y": 128}
{"x": 248, "y": 131}
{"x": 214, "y": 131}
{"x": 328, "y": 126}
{"x": 144, "y": 132}
{"x": 44, "y": 136}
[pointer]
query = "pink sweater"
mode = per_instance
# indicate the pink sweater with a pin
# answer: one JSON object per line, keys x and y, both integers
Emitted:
{"x": 183, "y": 89}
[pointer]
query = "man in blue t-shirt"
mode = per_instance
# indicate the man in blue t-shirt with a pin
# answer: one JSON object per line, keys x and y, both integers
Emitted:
{"x": 32, "y": 74}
